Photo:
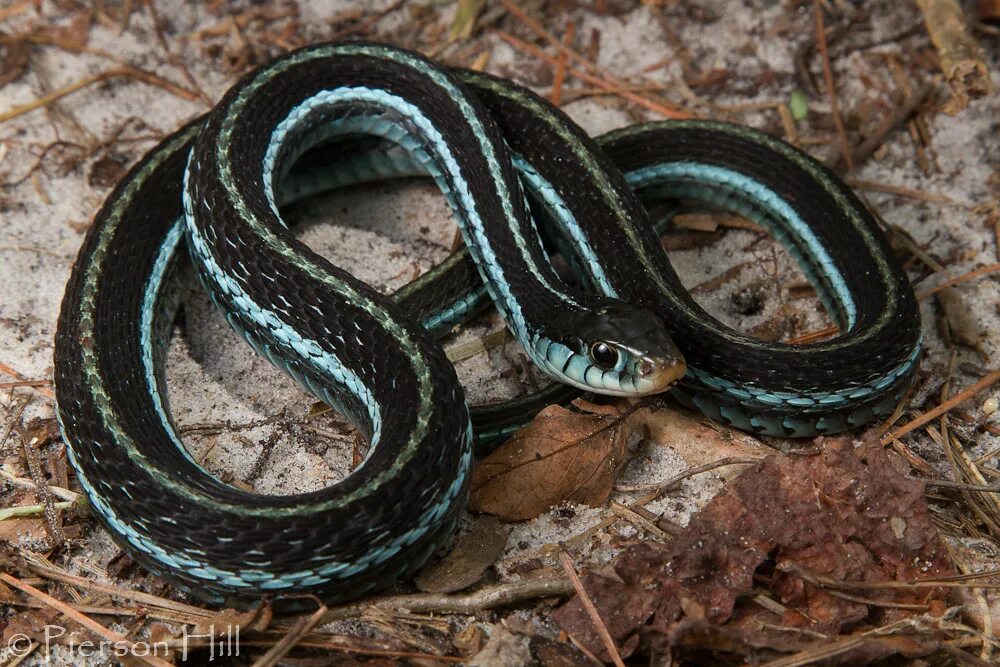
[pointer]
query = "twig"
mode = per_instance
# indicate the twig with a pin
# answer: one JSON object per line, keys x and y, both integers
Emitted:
{"x": 952, "y": 581}
{"x": 288, "y": 642}
{"x": 50, "y": 572}
{"x": 988, "y": 381}
{"x": 632, "y": 516}
{"x": 7, "y": 370}
{"x": 19, "y": 511}
{"x": 904, "y": 192}
{"x": 369, "y": 23}
{"x": 128, "y": 72}
{"x": 619, "y": 90}
{"x": 948, "y": 484}
{"x": 52, "y": 523}
{"x": 992, "y": 268}
{"x": 172, "y": 57}
{"x": 87, "y": 622}
{"x": 560, "y": 74}
{"x": 831, "y": 89}
{"x": 812, "y": 336}
{"x": 658, "y": 489}
{"x": 588, "y": 604}
{"x": 57, "y": 491}
{"x": 891, "y": 124}
{"x": 487, "y": 597}
{"x": 24, "y": 383}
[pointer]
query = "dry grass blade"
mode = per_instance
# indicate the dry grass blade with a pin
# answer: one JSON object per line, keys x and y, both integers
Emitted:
{"x": 965, "y": 277}
{"x": 85, "y": 621}
{"x": 288, "y": 642}
{"x": 988, "y": 381}
{"x": 120, "y": 72}
{"x": 831, "y": 89}
{"x": 621, "y": 90}
{"x": 49, "y": 572}
{"x": 602, "y": 629}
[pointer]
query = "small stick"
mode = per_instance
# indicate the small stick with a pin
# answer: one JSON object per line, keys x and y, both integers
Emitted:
{"x": 904, "y": 192}
{"x": 819, "y": 334}
{"x": 560, "y": 73}
{"x": 988, "y": 381}
{"x": 948, "y": 484}
{"x": 621, "y": 91}
{"x": 487, "y": 597}
{"x": 85, "y": 621}
{"x": 588, "y": 604}
{"x": 129, "y": 72}
{"x": 690, "y": 472}
{"x": 891, "y": 123}
{"x": 632, "y": 516}
{"x": 288, "y": 642}
{"x": 7, "y": 370}
{"x": 51, "y": 572}
{"x": 992, "y": 268}
{"x": 838, "y": 121}
{"x": 370, "y": 22}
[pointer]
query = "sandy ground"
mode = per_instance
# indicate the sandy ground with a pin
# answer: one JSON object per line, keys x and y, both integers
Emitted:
{"x": 389, "y": 232}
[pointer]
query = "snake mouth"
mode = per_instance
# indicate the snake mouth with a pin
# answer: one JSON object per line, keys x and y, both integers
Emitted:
{"x": 659, "y": 375}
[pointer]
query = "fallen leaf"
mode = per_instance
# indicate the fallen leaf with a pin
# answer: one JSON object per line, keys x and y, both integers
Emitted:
{"x": 560, "y": 456}
{"x": 474, "y": 552}
{"x": 691, "y": 438}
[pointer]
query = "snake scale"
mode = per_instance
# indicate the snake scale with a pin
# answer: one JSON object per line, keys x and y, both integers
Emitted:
{"x": 523, "y": 182}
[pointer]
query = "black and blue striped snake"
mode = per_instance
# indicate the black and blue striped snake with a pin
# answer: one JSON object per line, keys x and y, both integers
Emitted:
{"x": 514, "y": 170}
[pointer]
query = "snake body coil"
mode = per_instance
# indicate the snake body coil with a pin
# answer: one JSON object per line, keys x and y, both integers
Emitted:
{"x": 295, "y": 126}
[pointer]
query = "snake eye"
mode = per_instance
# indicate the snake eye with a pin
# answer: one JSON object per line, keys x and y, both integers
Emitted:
{"x": 603, "y": 355}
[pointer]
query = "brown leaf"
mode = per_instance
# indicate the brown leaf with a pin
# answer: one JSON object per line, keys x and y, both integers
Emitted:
{"x": 560, "y": 456}
{"x": 474, "y": 552}
{"x": 689, "y": 436}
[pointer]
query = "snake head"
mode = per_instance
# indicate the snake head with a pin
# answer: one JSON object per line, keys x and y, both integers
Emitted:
{"x": 614, "y": 349}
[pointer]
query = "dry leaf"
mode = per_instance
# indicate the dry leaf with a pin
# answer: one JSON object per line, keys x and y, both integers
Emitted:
{"x": 560, "y": 456}
{"x": 474, "y": 552}
{"x": 698, "y": 443}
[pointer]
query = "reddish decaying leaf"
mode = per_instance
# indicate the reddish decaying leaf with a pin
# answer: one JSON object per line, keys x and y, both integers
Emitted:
{"x": 561, "y": 456}
{"x": 828, "y": 515}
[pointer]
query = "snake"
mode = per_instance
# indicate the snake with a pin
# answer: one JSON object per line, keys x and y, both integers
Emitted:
{"x": 525, "y": 184}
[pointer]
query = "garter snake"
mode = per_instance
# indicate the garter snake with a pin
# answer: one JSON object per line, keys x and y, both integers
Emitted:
{"x": 496, "y": 151}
